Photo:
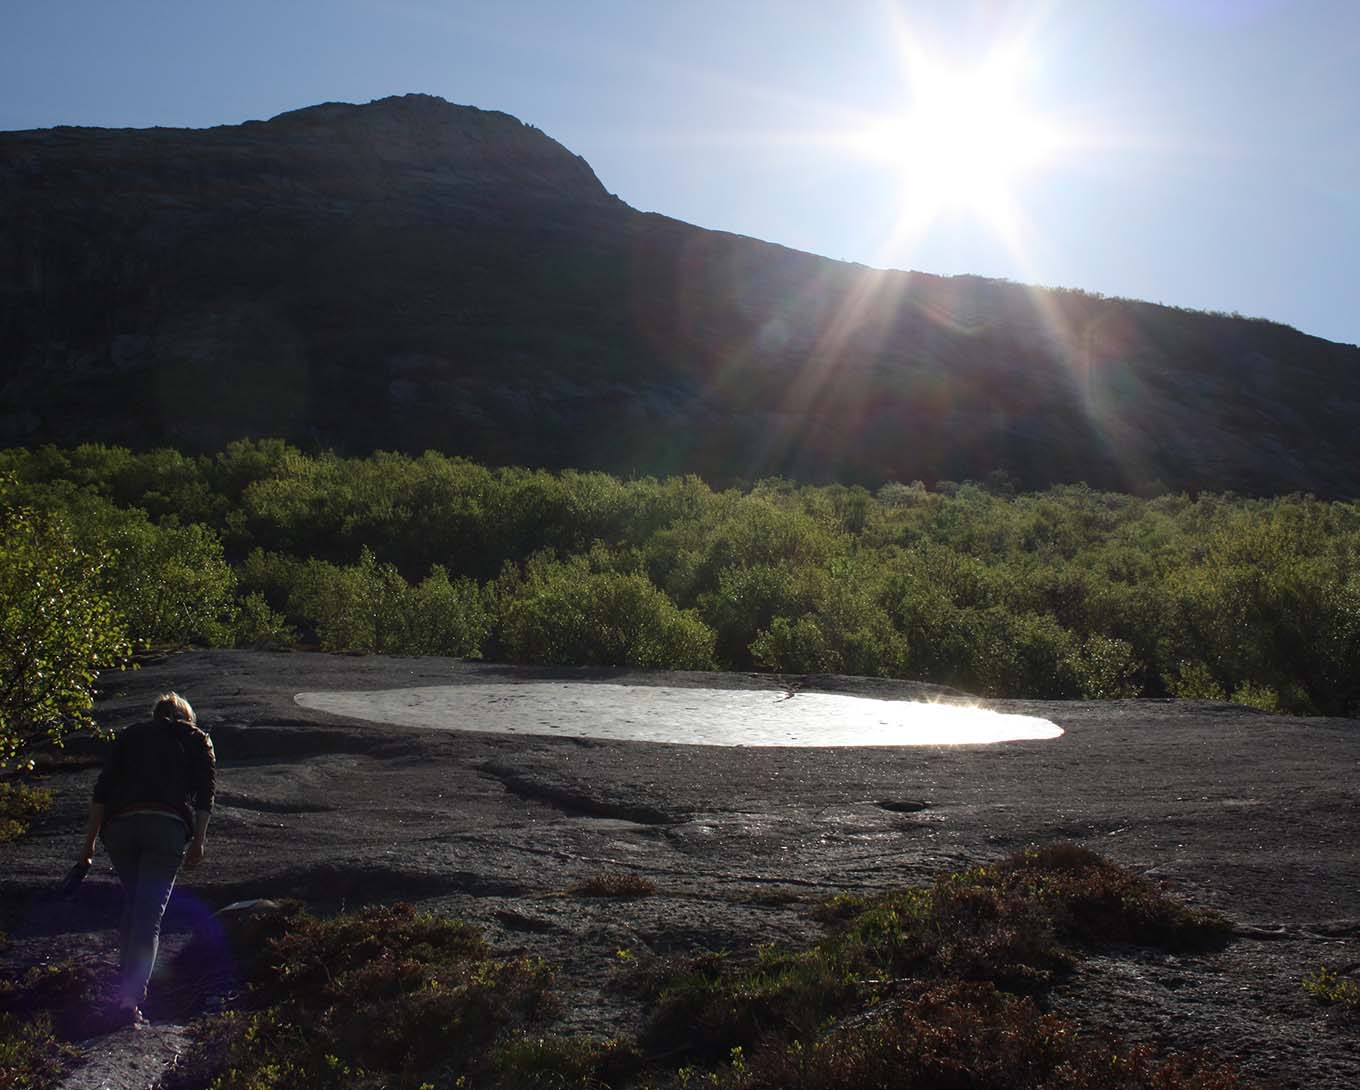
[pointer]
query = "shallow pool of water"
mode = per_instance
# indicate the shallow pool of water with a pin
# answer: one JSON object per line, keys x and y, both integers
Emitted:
{"x": 711, "y": 717}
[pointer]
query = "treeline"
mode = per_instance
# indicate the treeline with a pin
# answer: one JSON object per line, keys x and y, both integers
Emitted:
{"x": 1064, "y": 593}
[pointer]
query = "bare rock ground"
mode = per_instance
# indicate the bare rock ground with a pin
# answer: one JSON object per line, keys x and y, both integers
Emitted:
{"x": 1250, "y": 814}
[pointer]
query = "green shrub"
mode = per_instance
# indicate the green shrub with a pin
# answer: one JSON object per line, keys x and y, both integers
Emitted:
{"x": 559, "y": 1063}
{"x": 170, "y": 583}
{"x": 1194, "y": 681}
{"x": 795, "y": 647}
{"x": 273, "y": 576}
{"x": 1327, "y": 986}
{"x": 363, "y": 607}
{"x": 1261, "y": 697}
{"x": 563, "y": 613}
{"x": 73, "y": 1000}
{"x": 1026, "y": 654}
{"x": 819, "y": 621}
{"x": 762, "y": 531}
{"x": 746, "y": 602}
{"x": 20, "y": 804}
{"x": 58, "y": 629}
{"x": 31, "y": 1056}
{"x": 704, "y": 1006}
{"x": 447, "y": 617}
{"x": 1105, "y": 669}
{"x": 260, "y": 627}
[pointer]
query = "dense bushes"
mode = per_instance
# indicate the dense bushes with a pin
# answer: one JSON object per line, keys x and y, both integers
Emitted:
{"x": 1066, "y": 593}
{"x": 57, "y": 629}
{"x": 565, "y": 613}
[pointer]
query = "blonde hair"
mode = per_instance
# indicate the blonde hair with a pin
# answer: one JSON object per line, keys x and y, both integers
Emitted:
{"x": 171, "y": 708}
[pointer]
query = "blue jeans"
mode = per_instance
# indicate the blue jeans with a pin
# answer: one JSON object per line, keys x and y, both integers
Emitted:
{"x": 146, "y": 850}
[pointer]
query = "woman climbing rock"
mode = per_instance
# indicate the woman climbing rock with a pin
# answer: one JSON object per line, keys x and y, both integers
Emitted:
{"x": 150, "y": 807}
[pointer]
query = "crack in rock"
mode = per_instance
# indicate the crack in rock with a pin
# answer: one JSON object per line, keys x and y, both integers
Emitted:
{"x": 903, "y": 806}
{"x": 297, "y": 740}
{"x": 359, "y": 883}
{"x": 522, "y": 921}
{"x": 573, "y": 801}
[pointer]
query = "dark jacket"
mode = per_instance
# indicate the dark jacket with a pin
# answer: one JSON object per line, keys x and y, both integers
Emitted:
{"x": 159, "y": 766}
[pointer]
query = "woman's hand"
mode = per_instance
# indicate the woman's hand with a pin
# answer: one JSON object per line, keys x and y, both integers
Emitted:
{"x": 92, "y": 827}
{"x": 194, "y": 856}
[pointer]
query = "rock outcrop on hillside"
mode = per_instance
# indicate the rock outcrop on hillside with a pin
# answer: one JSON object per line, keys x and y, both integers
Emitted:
{"x": 412, "y": 274}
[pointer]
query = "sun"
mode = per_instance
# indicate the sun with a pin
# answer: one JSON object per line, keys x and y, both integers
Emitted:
{"x": 965, "y": 142}
{"x": 967, "y": 137}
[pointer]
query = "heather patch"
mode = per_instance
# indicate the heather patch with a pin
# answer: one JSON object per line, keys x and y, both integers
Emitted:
{"x": 622, "y": 886}
{"x": 1015, "y": 925}
{"x": 382, "y": 998}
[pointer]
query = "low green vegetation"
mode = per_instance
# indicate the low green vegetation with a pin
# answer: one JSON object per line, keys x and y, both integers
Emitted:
{"x": 381, "y": 998}
{"x": 962, "y": 1036}
{"x": 1016, "y": 926}
{"x": 42, "y": 1011}
{"x": 31, "y": 1057}
{"x": 918, "y": 989}
{"x": 20, "y": 803}
{"x": 1057, "y": 594}
{"x": 1328, "y": 986}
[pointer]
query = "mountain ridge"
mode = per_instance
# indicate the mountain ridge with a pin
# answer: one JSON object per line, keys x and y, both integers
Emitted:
{"x": 413, "y": 273}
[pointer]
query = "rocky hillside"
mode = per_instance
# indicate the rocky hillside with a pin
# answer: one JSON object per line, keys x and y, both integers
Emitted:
{"x": 413, "y": 274}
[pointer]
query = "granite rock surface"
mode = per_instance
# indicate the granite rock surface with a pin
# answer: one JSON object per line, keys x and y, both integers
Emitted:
{"x": 1250, "y": 814}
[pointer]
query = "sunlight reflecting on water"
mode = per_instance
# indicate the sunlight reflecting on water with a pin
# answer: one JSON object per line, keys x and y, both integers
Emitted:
{"x": 711, "y": 717}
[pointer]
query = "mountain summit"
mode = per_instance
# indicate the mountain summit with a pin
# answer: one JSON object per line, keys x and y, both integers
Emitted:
{"x": 408, "y": 139}
{"x": 414, "y": 274}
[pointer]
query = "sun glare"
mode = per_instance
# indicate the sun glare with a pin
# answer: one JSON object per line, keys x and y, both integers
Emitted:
{"x": 965, "y": 140}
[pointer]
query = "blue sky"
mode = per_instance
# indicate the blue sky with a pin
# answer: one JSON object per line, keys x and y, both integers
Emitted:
{"x": 1204, "y": 153}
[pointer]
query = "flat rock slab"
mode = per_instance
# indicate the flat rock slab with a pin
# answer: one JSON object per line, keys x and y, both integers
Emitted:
{"x": 128, "y": 1059}
{"x": 1251, "y": 814}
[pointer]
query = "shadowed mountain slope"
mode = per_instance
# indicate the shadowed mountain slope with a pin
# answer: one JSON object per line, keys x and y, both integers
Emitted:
{"x": 413, "y": 274}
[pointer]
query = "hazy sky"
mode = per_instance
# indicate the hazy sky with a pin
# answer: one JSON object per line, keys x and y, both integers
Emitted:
{"x": 1204, "y": 153}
